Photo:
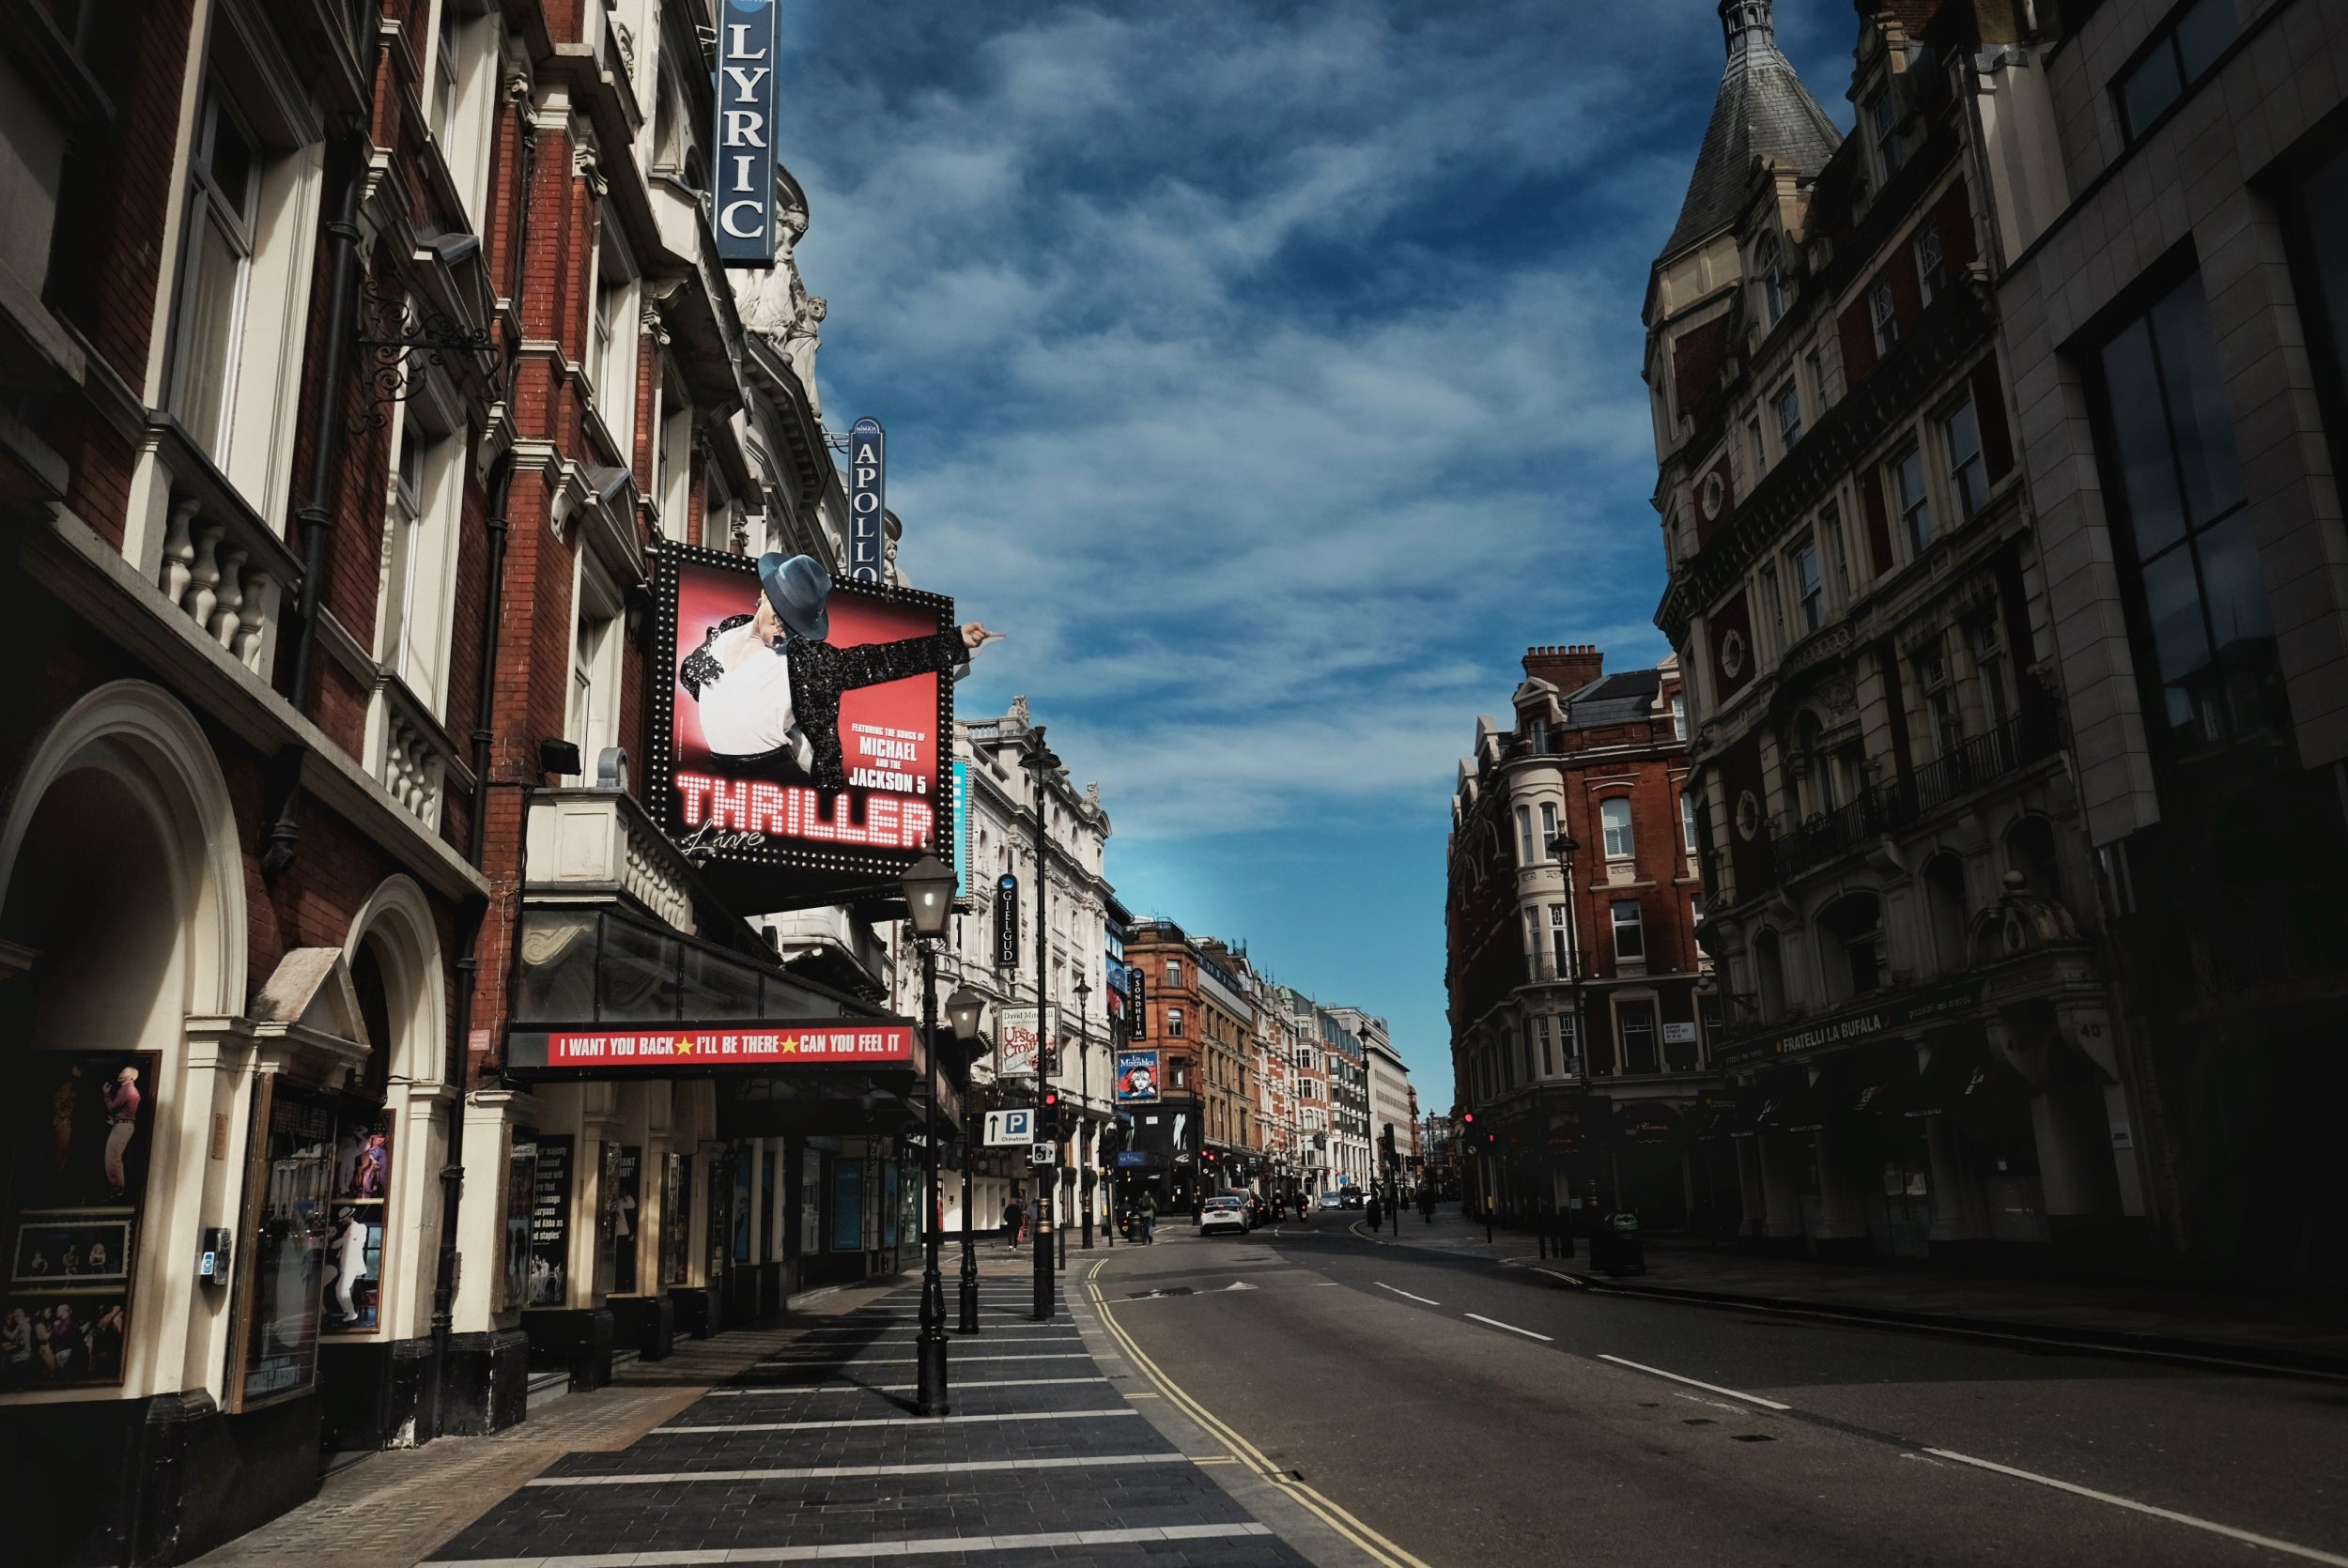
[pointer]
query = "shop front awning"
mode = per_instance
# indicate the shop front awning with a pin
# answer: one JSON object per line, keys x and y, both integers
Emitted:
{"x": 1964, "y": 1078}
{"x": 601, "y": 993}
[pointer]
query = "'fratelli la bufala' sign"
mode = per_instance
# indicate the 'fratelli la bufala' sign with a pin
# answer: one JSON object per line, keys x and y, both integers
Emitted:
{"x": 749, "y": 33}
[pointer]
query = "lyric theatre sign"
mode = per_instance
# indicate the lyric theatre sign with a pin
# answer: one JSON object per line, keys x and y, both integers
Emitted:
{"x": 749, "y": 33}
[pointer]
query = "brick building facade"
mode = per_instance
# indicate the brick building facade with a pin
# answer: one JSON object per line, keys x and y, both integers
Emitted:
{"x": 1584, "y": 1024}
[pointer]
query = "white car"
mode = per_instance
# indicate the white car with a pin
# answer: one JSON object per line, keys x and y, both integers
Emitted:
{"x": 1222, "y": 1214}
{"x": 1332, "y": 1200}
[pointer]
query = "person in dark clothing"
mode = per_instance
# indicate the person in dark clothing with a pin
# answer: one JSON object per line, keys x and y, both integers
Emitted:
{"x": 1374, "y": 1211}
{"x": 1015, "y": 1221}
{"x": 1147, "y": 1210}
{"x": 769, "y": 686}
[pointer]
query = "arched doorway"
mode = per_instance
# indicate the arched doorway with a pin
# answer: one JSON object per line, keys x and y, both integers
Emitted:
{"x": 121, "y": 960}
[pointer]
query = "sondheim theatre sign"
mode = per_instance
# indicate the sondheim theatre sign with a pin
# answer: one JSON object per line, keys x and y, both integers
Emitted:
{"x": 750, "y": 35}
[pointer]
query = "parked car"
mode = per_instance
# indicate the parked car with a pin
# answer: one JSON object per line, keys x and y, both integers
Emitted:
{"x": 1352, "y": 1197}
{"x": 1222, "y": 1214}
{"x": 1332, "y": 1200}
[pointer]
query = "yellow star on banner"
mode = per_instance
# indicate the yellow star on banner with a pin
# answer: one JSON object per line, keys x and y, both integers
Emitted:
{"x": 790, "y": 1046}
{"x": 684, "y": 1046}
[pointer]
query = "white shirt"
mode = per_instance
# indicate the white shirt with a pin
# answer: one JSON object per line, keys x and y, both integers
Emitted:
{"x": 748, "y": 711}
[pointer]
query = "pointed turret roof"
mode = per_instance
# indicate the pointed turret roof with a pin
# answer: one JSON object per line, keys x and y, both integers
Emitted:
{"x": 1763, "y": 109}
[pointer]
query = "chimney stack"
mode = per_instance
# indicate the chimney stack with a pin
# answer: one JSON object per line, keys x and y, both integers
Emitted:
{"x": 1568, "y": 669}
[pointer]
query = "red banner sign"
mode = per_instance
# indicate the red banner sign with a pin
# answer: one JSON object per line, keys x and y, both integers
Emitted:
{"x": 866, "y": 1044}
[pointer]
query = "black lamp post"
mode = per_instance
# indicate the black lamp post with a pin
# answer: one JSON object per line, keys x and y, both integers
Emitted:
{"x": 928, "y": 888}
{"x": 1042, "y": 763}
{"x": 1084, "y": 1108}
{"x": 964, "y": 1009}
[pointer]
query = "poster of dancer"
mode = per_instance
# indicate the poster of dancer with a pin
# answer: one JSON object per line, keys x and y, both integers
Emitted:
{"x": 79, "y": 1134}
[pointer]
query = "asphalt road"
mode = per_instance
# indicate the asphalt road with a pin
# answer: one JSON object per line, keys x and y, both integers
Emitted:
{"x": 1472, "y": 1413}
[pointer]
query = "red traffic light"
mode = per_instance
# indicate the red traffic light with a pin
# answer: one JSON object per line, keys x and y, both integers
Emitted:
{"x": 1051, "y": 1099}
{"x": 1467, "y": 1118}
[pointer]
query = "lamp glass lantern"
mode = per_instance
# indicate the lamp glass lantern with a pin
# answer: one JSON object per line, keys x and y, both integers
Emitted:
{"x": 928, "y": 888}
{"x": 965, "y": 1008}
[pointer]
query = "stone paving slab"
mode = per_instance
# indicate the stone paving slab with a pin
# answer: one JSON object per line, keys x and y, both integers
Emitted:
{"x": 762, "y": 1470}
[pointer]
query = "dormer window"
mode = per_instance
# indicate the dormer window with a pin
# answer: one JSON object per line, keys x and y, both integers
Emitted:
{"x": 1768, "y": 261}
{"x": 1883, "y": 125}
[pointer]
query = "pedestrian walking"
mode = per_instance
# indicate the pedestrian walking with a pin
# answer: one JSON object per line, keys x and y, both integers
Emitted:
{"x": 1148, "y": 1211}
{"x": 1374, "y": 1211}
{"x": 1014, "y": 1220}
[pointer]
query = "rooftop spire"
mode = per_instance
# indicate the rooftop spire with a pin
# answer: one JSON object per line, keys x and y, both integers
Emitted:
{"x": 1763, "y": 111}
{"x": 1749, "y": 25}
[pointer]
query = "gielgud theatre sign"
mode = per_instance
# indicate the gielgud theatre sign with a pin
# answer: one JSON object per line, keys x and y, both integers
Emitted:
{"x": 797, "y": 749}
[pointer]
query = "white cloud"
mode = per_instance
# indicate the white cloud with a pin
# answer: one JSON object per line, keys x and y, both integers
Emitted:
{"x": 1217, "y": 375}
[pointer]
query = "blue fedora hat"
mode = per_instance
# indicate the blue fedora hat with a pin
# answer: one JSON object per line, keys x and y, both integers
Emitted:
{"x": 800, "y": 591}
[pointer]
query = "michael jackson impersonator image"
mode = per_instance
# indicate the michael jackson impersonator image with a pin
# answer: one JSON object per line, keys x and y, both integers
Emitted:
{"x": 768, "y": 685}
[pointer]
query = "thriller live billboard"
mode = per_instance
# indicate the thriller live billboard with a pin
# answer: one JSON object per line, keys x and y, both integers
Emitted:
{"x": 797, "y": 724}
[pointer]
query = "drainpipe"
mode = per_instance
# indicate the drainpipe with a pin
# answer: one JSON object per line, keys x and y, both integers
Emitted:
{"x": 281, "y": 838}
{"x": 458, "y": 1065}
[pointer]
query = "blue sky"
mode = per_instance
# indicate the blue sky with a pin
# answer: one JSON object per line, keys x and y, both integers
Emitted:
{"x": 1270, "y": 371}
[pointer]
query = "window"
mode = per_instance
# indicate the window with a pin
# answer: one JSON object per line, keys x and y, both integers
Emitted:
{"x": 1566, "y": 1046}
{"x": 1629, "y": 933}
{"x": 1816, "y": 367}
{"x": 1688, "y": 823}
{"x": 1883, "y": 313}
{"x": 1968, "y": 479}
{"x": 1559, "y": 953}
{"x": 1304, "y": 1058}
{"x": 224, "y": 191}
{"x": 1173, "y": 971}
{"x": 1174, "y": 1022}
{"x": 594, "y": 717}
{"x": 406, "y": 549}
{"x": 1883, "y": 124}
{"x": 1760, "y": 452}
{"x": 1182, "y": 1064}
{"x": 1549, "y": 827}
{"x": 1940, "y": 705}
{"x": 1788, "y": 404}
{"x": 1853, "y": 949}
{"x": 1907, "y": 488}
{"x": 1769, "y": 262}
{"x": 1679, "y": 716}
{"x": 1776, "y": 608}
{"x": 1801, "y": 567}
{"x": 1989, "y": 670}
{"x": 1830, "y": 524}
{"x": 1525, "y": 852}
{"x": 2202, "y": 599}
{"x": 1549, "y": 1060}
{"x": 1533, "y": 932}
{"x": 1613, "y": 815}
{"x": 1636, "y": 1020}
{"x": 445, "y": 77}
{"x": 1931, "y": 268}
{"x": 2177, "y": 59}
{"x": 611, "y": 355}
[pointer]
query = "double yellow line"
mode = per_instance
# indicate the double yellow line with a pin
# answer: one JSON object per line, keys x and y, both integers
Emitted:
{"x": 1375, "y": 1545}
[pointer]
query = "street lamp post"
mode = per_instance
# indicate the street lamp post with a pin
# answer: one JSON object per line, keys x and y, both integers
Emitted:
{"x": 928, "y": 888}
{"x": 1084, "y": 1057}
{"x": 1041, "y": 761}
{"x": 962, "y": 1011}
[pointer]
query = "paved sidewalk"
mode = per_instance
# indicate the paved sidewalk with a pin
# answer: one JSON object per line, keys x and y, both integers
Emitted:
{"x": 815, "y": 1453}
{"x": 404, "y": 1502}
{"x": 2268, "y": 1330}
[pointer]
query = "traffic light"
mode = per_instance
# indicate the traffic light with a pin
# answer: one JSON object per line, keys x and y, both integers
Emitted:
{"x": 1047, "y": 1116}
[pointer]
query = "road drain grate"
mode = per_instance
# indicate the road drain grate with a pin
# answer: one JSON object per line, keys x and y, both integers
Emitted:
{"x": 1754, "y": 1438}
